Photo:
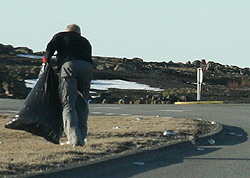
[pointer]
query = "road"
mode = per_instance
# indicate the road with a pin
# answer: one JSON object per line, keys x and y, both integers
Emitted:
{"x": 229, "y": 157}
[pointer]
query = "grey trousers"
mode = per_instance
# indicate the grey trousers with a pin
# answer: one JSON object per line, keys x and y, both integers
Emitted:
{"x": 74, "y": 85}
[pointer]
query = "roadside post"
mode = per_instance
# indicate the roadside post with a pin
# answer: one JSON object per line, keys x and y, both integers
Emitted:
{"x": 200, "y": 72}
{"x": 199, "y": 83}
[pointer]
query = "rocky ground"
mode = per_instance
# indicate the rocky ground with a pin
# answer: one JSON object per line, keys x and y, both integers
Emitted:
{"x": 221, "y": 82}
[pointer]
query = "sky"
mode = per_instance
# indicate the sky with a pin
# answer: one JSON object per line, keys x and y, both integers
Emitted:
{"x": 154, "y": 30}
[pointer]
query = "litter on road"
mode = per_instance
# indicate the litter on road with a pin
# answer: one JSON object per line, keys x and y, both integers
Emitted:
{"x": 139, "y": 163}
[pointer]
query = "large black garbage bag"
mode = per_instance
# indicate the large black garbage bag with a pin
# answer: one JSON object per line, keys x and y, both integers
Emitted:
{"x": 41, "y": 112}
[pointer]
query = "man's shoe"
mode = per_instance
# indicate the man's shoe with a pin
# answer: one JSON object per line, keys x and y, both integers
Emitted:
{"x": 65, "y": 143}
{"x": 77, "y": 144}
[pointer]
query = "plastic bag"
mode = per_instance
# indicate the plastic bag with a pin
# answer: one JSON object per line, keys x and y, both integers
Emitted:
{"x": 41, "y": 113}
{"x": 41, "y": 70}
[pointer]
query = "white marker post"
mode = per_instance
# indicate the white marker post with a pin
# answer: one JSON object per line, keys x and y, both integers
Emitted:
{"x": 200, "y": 72}
{"x": 199, "y": 83}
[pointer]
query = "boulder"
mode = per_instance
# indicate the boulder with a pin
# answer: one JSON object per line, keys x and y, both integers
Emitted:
{"x": 23, "y": 50}
{"x": 126, "y": 100}
{"x": 120, "y": 67}
{"x": 6, "y": 49}
{"x": 15, "y": 88}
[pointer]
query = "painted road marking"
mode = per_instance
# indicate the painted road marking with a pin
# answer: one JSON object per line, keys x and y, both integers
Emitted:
{"x": 7, "y": 111}
{"x": 200, "y": 102}
{"x": 109, "y": 114}
{"x": 124, "y": 114}
{"x": 172, "y": 110}
{"x": 97, "y": 112}
{"x": 107, "y": 107}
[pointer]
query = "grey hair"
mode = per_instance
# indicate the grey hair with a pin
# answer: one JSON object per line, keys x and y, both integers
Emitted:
{"x": 73, "y": 28}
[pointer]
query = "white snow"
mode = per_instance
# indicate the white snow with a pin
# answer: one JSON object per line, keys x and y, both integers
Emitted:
{"x": 30, "y": 56}
{"x": 120, "y": 84}
{"x": 99, "y": 84}
{"x": 106, "y": 84}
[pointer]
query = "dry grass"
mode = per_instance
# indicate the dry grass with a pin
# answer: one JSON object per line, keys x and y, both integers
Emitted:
{"x": 23, "y": 153}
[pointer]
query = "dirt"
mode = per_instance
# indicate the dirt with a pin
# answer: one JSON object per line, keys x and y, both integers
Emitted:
{"x": 22, "y": 153}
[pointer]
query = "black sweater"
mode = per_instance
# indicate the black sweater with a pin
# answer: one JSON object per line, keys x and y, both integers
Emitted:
{"x": 69, "y": 46}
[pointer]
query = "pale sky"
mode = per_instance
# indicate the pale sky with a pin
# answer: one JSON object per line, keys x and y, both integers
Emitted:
{"x": 154, "y": 30}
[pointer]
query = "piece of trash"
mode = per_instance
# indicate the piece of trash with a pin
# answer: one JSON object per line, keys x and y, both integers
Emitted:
{"x": 211, "y": 141}
{"x": 118, "y": 127}
{"x": 168, "y": 132}
{"x": 200, "y": 149}
{"x": 213, "y": 122}
{"x": 10, "y": 159}
{"x": 234, "y": 134}
{"x": 86, "y": 140}
{"x": 231, "y": 133}
{"x": 65, "y": 143}
{"x": 139, "y": 118}
{"x": 1, "y": 143}
{"x": 139, "y": 163}
{"x": 157, "y": 116}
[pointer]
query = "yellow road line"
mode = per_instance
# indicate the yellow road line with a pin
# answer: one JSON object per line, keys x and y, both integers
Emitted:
{"x": 200, "y": 102}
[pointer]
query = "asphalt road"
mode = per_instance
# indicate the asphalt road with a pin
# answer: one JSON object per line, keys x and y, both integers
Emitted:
{"x": 229, "y": 157}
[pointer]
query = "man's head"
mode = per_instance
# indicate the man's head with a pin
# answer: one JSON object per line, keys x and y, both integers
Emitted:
{"x": 73, "y": 28}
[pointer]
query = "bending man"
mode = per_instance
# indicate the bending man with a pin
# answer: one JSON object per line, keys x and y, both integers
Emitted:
{"x": 75, "y": 68}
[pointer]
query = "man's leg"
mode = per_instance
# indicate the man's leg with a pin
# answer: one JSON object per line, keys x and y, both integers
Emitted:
{"x": 82, "y": 113}
{"x": 78, "y": 75}
{"x": 84, "y": 76}
{"x": 68, "y": 95}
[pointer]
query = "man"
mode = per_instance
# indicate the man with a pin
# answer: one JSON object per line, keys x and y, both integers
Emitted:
{"x": 75, "y": 68}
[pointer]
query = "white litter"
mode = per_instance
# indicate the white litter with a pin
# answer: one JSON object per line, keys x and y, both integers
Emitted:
{"x": 139, "y": 118}
{"x": 168, "y": 132}
{"x": 234, "y": 134}
{"x": 211, "y": 141}
{"x": 200, "y": 149}
{"x": 139, "y": 163}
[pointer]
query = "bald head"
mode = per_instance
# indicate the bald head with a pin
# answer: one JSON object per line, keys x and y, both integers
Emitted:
{"x": 73, "y": 28}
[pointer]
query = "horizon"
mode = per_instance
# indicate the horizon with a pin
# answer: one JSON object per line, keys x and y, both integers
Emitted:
{"x": 40, "y": 57}
{"x": 155, "y": 31}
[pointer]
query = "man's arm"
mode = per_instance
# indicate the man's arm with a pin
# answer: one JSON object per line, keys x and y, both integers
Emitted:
{"x": 50, "y": 49}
